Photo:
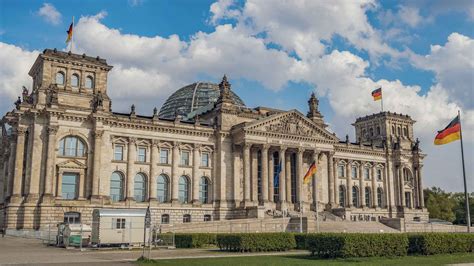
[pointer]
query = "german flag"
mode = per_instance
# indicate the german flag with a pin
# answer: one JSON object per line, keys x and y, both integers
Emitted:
{"x": 450, "y": 133}
{"x": 310, "y": 173}
{"x": 69, "y": 32}
{"x": 377, "y": 94}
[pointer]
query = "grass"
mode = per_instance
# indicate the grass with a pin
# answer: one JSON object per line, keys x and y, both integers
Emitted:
{"x": 307, "y": 260}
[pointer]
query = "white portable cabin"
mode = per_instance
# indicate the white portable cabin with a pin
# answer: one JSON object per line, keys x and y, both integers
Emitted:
{"x": 119, "y": 226}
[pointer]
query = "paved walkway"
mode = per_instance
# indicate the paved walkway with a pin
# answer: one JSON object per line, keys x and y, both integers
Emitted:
{"x": 22, "y": 251}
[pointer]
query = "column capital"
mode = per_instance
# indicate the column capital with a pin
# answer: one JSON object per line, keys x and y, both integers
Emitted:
{"x": 21, "y": 130}
{"x": 155, "y": 143}
{"x": 266, "y": 146}
{"x": 283, "y": 148}
{"x": 52, "y": 129}
{"x": 300, "y": 150}
{"x": 132, "y": 140}
{"x": 330, "y": 153}
{"x": 247, "y": 145}
{"x": 176, "y": 144}
{"x": 197, "y": 146}
{"x": 98, "y": 134}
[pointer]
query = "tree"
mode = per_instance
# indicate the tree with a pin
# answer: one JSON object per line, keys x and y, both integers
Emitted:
{"x": 440, "y": 204}
{"x": 460, "y": 208}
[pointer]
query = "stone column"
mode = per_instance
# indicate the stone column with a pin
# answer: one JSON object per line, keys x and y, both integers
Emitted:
{"x": 174, "y": 173}
{"x": 349, "y": 184}
{"x": 36, "y": 148}
{"x": 96, "y": 167}
{"x": 19, "y": 156}
{"x": 6, "y": 159}
{"x": 390, "y": 190}
{"x": 401, "y": 186}
{"x": 11, "y": 165}
{"x": 282, "y": 187}
{"x": 254, "y": 167}
{"x": 315, "y": 177}
{"x": 247, "y": 173}
{"x": 336, "y": 186}
{"x": 50, "y": 161}
{"x": 288, "y": 177}
{"x": 132, "y": 156}
{"x": 420, "y": 187}
{"x": 237, "y": 176}
{"x": 264, "y": 164}
{"x": 299, "y": 175}
{"x": 154, "y": 157}
{"x": 196, "y": 163}
{"x": 332, "y": 183}
{"x": 271, "y": 173}
{"x": 374, "y": 187}
{"x": 361, "y": 185}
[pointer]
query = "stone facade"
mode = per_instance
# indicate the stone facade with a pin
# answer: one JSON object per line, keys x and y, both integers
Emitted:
{"x": 64, "y": 151}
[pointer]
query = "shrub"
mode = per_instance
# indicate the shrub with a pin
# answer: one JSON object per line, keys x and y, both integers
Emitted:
{"x": 195, "y": 240}
{"x": 357, "y": 245}
{"x": 300, "y": 239}
{"x": 439, "y": 243}
{"x": 254, "y": 242}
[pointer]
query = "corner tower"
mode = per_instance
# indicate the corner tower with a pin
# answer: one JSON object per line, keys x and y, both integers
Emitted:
{"x": 69, "y": 80}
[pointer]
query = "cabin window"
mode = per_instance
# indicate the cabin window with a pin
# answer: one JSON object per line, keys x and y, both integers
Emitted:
{"x": 119, "y": 223}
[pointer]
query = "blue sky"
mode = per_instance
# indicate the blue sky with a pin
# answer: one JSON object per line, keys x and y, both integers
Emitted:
{"x": 275, "y": 54}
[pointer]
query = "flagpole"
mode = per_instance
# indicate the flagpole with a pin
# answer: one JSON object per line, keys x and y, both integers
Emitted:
{"x": 466, "y": 195}
{"x": 72, "y": 36}
{"x": 381, "y": 102}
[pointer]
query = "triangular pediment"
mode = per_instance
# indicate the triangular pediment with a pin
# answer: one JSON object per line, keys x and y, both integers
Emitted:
{"x": 291, "y": 123}
{"x": 71, "y": 164}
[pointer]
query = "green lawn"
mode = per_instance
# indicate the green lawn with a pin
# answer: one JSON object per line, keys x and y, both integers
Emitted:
{"x": 306, "y": 260}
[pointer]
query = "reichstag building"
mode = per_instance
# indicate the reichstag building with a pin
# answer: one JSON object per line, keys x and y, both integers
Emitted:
{"x": 204, "y": 156}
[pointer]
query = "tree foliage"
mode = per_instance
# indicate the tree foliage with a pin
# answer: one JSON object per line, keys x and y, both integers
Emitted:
{"x": 447, "y": 206}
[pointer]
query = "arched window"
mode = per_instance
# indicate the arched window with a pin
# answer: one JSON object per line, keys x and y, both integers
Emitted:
{"x": 371, "y": 130}
{"x": 405, "y": 132}
{"x": 379, "y": 197}
{"x": 342, "y": 196}
{"x": 393, "y": 130}
{"x": 139, "y": 188}
{"x": 378, "y": 130}
{"x": 379, "y": 174}
{"x": 89, "y": 82}
{"x": 71, "y": 146}
{"x": 165, "y": 219}
{"x": 187, "y": 218}
{"x": 75, "y": 80}
{"x": 368, "y": 194}
{"x": 116, "y": 186}
{"x": 162, "y": 188}
{"x": 355, "y": 196}
{"x": 60, "y": 78}
{"x": 399, "y": 131}
{"x": 183, "y": 189}
{"x": 204, "y": 190}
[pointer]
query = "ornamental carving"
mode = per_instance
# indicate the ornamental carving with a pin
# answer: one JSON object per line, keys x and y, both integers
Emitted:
{"x": 289, "y": 125}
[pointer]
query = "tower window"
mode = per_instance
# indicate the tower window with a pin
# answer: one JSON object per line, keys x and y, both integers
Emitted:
{"x": 89, "y": 82}
{"x": 75, "y": 80}
{"x": 60, "y": 78}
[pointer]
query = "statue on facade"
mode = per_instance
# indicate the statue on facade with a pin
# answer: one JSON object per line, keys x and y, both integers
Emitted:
{"x": 17, "y": 103}
{"x": 224, "y": 91}
{"x": 98, "y": 101}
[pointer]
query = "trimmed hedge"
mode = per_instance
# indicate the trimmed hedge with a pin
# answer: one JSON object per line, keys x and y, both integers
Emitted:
{"x": 195, "y": 240}
{"x": 332, "y": 245}
{"x": 300, "y": 239}
{"x": 254, "y": 242}
{"x": 440, "y": 243}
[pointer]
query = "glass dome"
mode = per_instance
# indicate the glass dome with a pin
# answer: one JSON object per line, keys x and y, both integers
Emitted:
{"x": 192, "y": 97}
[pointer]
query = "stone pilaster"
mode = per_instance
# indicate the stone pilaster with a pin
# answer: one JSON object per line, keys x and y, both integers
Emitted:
{"x": 154, "y": 157}
{"x": 283, "y": 184}
{"x": 236, "y": 175}
{"x": 374, "y": 186}
{"x": 349, "y": 184}
{"x": 254, "y": 180}
{"x": 196, "y": 178}
{"x": 288, "y": 177}
{"x": 401, "y": 186}
{"x": 131, "y": 157}
{"x": 361, "y": 185}
{"x": 35, "y": 163}
{"x": 314, "y": 179}
{"x": 11, "y": 166}
{"x": 174, "y": 173}
{"x": 96, "y": 167}
{"x": 264, "y": 164}
{"x": 336, "y": 186}
{"x": 420, "y": 187}
{"x": 247, "y": 172}
{"x": 50, "y": 161}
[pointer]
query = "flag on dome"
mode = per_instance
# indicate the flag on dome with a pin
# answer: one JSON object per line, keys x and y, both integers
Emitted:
{"x": 377, "y": 94}
{"x": 311, "y": 171}
{"x": 450, "y": 133}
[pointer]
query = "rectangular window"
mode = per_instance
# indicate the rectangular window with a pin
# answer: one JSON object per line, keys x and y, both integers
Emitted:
{"x": 354, "y": 172}
{"x": 69, "y": 186}
{"x": 118, "y": 153}
{"x": 366, "y": 173}
{"x": 185, "y": 158}
{"x": 205, "y": 159}
{"x": 120, "y": 223}
{"x": 141, "y": 154}
{"x": 340, "y": 171}
{"x": 379, "y": 174}
{"x": 164, "y": 156}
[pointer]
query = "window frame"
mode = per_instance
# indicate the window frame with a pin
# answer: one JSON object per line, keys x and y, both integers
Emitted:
{"x": 75, "y": 184}
{"x": 342, "y": 195}
{"x": 121, "y": 188}
{"x": 122, "y": 147}
{"x": 183, "y": 198}
{"x": 341, "y": 170}
{"x": 354, "y": 172}
{"x": 62, "y": 75}
{"x": 75, "y": 75}
{"x": 143, "y": 189}
{"x": 165, "y": 189}
{"x": 205, "y": 163}
{"x": 74, "y": 216}
{"x": 355, "y": 196}
{"x": 204, "y": 190}
{"x": 167, "y": 151}
{"x": 141, "y": 157}
{"x": 91, "y": 85}
{"x": 366, "y": 173}
{"x": 186, "y": 218}
{"x": 183, "y": 160}
{"x": 66, "y": 150}
{"x": 368, "y": 196}
{"x": 165, "y": 218}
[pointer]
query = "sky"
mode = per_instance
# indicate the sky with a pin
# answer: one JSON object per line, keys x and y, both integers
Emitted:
{"x": 275, "y": 54}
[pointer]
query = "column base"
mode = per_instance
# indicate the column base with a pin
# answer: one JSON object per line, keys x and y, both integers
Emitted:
{"x": 47, "y": 198}
{"x": 246, "y": 203}
{"x": 16, "y": 198}
{"x": 32, "y": 198}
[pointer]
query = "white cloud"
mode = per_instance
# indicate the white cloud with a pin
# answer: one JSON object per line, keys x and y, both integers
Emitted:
{"x": 50, "y": 14}
{"x": 410, "y": 16}
{"x": 14, "y": 75}
{"x": 453, "y": 65}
